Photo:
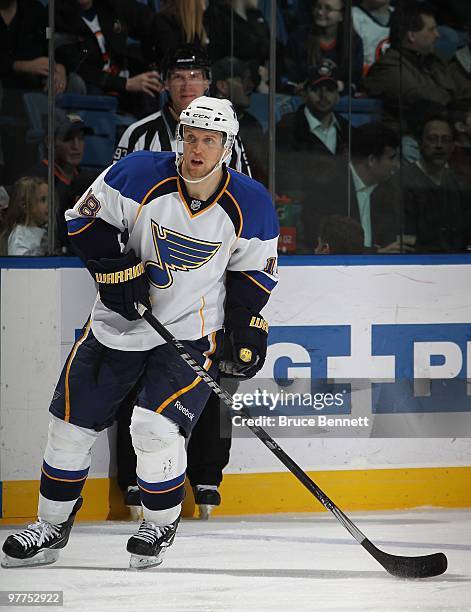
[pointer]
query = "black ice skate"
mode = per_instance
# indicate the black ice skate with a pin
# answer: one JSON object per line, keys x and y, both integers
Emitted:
{"x": 132, "y": 499}
{"x": 39, "y": 543}
{"x": 206, "y": 499}
{"x": 149, "y": 544}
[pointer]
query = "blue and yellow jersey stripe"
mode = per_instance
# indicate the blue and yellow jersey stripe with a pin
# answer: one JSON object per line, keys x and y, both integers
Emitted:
{"x": 263, "y": 281}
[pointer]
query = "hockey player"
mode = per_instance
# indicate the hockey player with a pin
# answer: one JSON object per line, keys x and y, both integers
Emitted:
{"x": 201, "y": 253}
{"x": 187, "y": 76}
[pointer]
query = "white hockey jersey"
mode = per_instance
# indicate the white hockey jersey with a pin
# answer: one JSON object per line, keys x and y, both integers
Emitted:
{"x": 375, "y": 35}
{"x": 186, "y": 245}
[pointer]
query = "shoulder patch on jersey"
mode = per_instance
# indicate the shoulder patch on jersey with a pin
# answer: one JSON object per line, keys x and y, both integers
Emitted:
{"x": 175, "y": 251}
{"x": 259, "y": 218}
{"x": 137, "y": 173}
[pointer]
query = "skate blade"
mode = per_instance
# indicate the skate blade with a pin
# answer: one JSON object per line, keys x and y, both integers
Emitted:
{"x": 135, "y": 513}
{"x": 204, "y": 511}
{"x": 44, "y": 557}
{"x": 138, "y": 562}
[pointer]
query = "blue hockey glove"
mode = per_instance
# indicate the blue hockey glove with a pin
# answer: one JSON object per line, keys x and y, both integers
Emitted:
{"x": 122, "y": 284}
{"x": 245, "y": 343}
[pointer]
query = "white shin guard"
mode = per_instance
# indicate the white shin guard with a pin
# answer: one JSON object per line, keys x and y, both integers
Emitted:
{"x": 161, "y": 456}
{"x": 68, "y": 448}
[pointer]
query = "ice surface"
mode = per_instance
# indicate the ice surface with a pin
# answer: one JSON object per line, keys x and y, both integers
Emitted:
{"x": 278, "y": 562}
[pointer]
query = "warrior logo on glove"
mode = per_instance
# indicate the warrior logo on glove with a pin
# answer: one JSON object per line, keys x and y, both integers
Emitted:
{"x": 122, "y": 284}
{"x": 121, "y": 276}
{"x": 260, "y": 323}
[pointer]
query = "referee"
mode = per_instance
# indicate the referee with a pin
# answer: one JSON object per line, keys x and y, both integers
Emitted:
{"x": 187, "y": 75}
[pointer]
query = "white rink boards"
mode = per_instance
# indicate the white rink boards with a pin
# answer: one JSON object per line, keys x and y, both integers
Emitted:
{"x": 382, "y": 320}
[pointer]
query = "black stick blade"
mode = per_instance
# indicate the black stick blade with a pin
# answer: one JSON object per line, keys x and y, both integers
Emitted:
{"x": 408, "y": 567}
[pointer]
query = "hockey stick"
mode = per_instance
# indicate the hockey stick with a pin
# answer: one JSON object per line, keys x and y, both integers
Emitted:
{"x": 404, "y": 567}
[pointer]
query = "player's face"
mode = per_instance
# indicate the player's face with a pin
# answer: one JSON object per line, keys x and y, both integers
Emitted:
{"x": 70, "y": 151}
{"x": 202, "y": 150}
{"x": 39, "y": 208}
{"x": 184, "y": 86}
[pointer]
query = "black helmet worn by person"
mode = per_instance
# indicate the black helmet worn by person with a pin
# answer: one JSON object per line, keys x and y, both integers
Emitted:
{"x": 186, "y": 57}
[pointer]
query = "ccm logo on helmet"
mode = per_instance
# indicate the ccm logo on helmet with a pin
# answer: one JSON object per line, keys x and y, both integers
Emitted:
{"x": 201, "y": 116}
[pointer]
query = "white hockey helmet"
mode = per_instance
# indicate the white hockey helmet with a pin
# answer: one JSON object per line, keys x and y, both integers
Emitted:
{"x": 211, "y": 114}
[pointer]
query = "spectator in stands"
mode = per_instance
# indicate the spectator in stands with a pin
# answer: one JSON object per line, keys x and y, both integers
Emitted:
{"x": 374, "y": 159}
{"x": 315, "y": 126}
{"x": 309, "y": 140}
{"x": 25, "y": 225}
{"x": 69, "y": 142}
{"x": 414, "y": 116}
{"x": 232, "y": 79}
{"x": 179, "y": 22}
{"x": 24, "y": 67}
{"x": 328, "y": 37}
{"x": 237, "y": 27}
{"x": 436, "y": 206}
{"x": 24, "y": 63}
{"x": 93, "y": 36}
{"x": 410, "y": 71}
{"x": 371, "y": 21}
{"x": 339, "y": 235}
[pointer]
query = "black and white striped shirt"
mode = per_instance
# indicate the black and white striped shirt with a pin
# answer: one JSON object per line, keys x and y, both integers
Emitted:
{"x": 157, "y": 132}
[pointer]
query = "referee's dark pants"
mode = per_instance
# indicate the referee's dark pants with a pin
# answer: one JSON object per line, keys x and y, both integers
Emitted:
{"x": 209, "y": 444}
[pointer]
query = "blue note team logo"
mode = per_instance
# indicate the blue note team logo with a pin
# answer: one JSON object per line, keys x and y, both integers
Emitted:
{"x": 176, "y": 252}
